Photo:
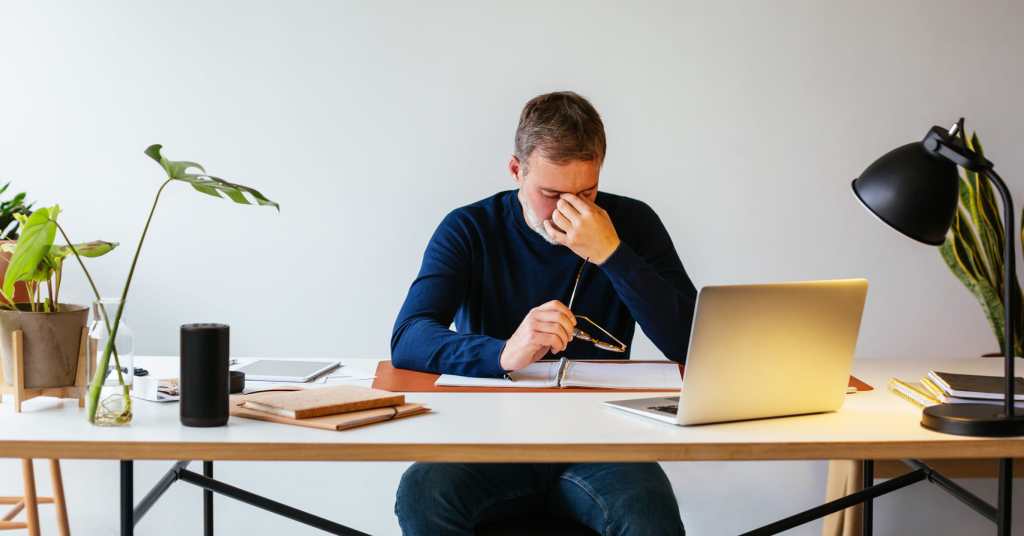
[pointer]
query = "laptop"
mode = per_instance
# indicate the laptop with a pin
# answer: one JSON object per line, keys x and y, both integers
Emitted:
{"x": 761, "y": 351}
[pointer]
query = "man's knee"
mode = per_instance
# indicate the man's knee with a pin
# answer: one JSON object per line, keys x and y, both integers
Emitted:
{"x": 423, "y": 486}
{"x": 431, "y": 498}
{"x": 649, "y": 509}
{"x": 636, "y": 498}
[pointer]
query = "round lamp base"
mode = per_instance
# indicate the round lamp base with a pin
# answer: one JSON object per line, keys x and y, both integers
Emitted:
{"x": 986, "y": 420}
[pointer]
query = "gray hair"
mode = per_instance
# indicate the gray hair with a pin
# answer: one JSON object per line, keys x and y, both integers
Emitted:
{"x": 564, "y": 126}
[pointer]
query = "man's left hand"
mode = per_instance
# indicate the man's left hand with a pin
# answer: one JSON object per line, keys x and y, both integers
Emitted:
{"x": 583, "y": 227}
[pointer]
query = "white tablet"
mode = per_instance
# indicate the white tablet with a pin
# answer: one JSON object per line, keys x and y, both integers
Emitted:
{"x": 286, "y": 370}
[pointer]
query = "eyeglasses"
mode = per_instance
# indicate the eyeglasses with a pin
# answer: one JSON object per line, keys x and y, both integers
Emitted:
{"x": 577, "y": 333}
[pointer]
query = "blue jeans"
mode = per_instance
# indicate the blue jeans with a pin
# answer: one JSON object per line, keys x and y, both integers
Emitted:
{"x": 613, "y": 499}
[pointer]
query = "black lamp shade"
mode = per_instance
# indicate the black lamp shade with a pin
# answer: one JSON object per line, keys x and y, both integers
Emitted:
{"x": 912, "y": 190}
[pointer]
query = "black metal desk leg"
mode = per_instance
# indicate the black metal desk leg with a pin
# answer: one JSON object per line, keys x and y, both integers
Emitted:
{"x": 1003, "y": 523}
{"x": 868, "y": 480}
{"x": 208, "y": 501}
{"x": 127, "y": 499}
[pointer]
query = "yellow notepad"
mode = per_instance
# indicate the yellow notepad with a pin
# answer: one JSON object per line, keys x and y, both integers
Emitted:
{"x": 915, "y": 393}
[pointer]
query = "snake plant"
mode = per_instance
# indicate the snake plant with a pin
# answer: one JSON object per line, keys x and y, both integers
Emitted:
{"x": 973, "y": 250}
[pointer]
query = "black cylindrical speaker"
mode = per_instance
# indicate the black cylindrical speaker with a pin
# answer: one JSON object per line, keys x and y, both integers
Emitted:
{"x": 203, "y": 380}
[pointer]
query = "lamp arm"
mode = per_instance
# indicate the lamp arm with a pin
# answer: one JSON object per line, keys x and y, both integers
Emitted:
{"x": 1009, "y": 296}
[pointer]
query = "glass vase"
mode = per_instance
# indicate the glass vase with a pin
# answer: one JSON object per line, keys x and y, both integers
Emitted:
{"x": 114, "y": 407}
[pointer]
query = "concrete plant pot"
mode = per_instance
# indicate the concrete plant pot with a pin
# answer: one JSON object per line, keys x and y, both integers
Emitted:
{"x": 50, "y": 344}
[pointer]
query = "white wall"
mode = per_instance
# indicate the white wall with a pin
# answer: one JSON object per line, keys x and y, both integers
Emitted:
{"x": 742, "y": 123}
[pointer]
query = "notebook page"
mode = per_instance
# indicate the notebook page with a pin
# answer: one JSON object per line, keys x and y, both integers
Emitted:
{"x": 623, "y": 375}
{"x": 538, "y": 375}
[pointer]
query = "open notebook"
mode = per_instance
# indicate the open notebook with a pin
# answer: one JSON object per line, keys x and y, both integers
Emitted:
{"x": 568, "y": 373}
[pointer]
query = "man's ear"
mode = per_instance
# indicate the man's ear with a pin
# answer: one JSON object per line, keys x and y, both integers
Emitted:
{"x": 515, "y": 168}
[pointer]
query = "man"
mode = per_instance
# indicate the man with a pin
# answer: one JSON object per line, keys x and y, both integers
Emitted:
{"x": 503, "y": 269}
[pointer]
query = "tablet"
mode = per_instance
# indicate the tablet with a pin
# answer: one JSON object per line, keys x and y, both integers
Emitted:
{"x": 286, "y": 370}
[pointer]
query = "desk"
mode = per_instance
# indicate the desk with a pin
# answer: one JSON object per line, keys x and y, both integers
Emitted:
{"x": 519, "y": 427}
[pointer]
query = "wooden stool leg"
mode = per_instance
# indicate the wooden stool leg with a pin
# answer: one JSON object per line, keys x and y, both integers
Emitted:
{"x": 58, "y": 499}
{"x": 14, "y": 511}
{"x": 31, "y": 506}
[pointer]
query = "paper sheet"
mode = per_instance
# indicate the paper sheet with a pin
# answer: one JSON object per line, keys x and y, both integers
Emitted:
{"x": 623, "y": 376}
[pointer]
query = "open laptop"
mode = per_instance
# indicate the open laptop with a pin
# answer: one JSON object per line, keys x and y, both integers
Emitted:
{"x": 764, "y": 351}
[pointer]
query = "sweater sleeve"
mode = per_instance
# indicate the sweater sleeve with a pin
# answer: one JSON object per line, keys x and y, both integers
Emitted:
{"x": 649, "y": 278}
{"x": 422, "y": 339}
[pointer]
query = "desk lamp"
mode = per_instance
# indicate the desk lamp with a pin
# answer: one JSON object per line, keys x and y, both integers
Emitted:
{"x": 915, "y": 189}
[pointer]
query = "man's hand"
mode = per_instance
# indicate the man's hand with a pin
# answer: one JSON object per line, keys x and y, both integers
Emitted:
{"x": 583, "y": 227}
{"x": 546, "y": 328}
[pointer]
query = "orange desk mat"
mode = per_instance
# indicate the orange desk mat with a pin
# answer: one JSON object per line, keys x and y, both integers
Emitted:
{"x": 410, "y": 381}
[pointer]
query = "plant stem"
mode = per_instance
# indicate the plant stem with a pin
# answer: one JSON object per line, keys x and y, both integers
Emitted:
{"x": 56, "y": 278}
{"x": 49, "y": 297}
{"x": 94, "y": 389}
{"x": 95, "y": 292}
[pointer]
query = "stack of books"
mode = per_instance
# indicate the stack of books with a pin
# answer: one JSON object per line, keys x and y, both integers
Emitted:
{"x": 331, "y": 408}
{"x": 952, "y": 388}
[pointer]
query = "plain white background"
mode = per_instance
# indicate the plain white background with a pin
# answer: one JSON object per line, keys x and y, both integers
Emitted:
{"x": 741, "y": 123}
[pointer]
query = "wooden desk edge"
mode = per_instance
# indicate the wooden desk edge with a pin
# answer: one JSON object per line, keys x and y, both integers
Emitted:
{"x": 532, "y": 452}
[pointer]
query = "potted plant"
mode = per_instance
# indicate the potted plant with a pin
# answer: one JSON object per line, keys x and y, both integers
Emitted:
{"x": 973, "y": 251}
{"x": 51, "y": 330}
{"x": 175, "y": 171}
{"x": 9, "y": 208}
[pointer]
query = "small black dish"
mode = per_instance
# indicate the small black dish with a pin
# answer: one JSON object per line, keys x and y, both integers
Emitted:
{"x": 237, "y": 382}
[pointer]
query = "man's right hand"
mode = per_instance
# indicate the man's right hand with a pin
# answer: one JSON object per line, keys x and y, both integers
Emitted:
{"x": 547, "y": 328}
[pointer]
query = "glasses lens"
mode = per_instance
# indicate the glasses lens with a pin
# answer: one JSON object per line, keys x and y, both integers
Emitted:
{"x": 597, "y": 335}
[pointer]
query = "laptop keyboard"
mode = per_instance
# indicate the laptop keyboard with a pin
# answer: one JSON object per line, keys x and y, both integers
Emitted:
{"x": 670, "y": 409}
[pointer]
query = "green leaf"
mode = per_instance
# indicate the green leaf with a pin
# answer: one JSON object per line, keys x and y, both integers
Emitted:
{"x": 208, "y": 184}
{"x": 37, "y": 234}
{"x": 974, "y": 250}
{"x": 175, "y": 170}
{"x": 96, "y": 248}
{"x": 965, "y": 247}
{"x": 991, "y": 304}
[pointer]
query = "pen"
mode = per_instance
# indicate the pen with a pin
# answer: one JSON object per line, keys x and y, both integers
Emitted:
{"x": 508, "y": 377}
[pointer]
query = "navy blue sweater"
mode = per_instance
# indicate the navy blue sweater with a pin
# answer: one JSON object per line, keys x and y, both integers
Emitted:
{"x": 485, "y": 269}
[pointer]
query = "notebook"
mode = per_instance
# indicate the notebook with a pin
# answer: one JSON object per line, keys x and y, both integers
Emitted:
{"x": 338, "y": 422}
{"x": 307, "y": 403}
{"x": 914, "y": 392}
{"x": 975, "y": 386}
{"x": 569, "y": 373}
{"x": 944, "y": 398}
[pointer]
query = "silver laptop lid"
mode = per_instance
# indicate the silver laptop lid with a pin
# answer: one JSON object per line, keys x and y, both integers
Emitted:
{"x": 771, "y": 350}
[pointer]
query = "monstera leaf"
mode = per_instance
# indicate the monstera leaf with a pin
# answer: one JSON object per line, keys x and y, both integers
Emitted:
{"x": 196, "y": 176}
{"x": 207, "y": 184}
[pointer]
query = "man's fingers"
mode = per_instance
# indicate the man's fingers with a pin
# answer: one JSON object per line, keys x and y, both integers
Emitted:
{"x": 548, "y": 340}
{"x": 555, "y": 305}
{"x": 553, "y": 317}
{"x": 568, "y": 210}
{"x": 568, "y": 321}
{"x": 581, "y": 205}
{"x": 562, "y": 221}
{"x": 554, "y": 328}
{"x": 556, "y": 235}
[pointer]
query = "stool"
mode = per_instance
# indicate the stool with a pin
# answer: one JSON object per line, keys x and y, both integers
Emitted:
{"x": 29, "y": 502}
{"x": 535, "y": 526}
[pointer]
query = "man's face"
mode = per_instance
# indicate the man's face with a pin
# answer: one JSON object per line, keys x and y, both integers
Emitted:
{"x": 547, "y": 180}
